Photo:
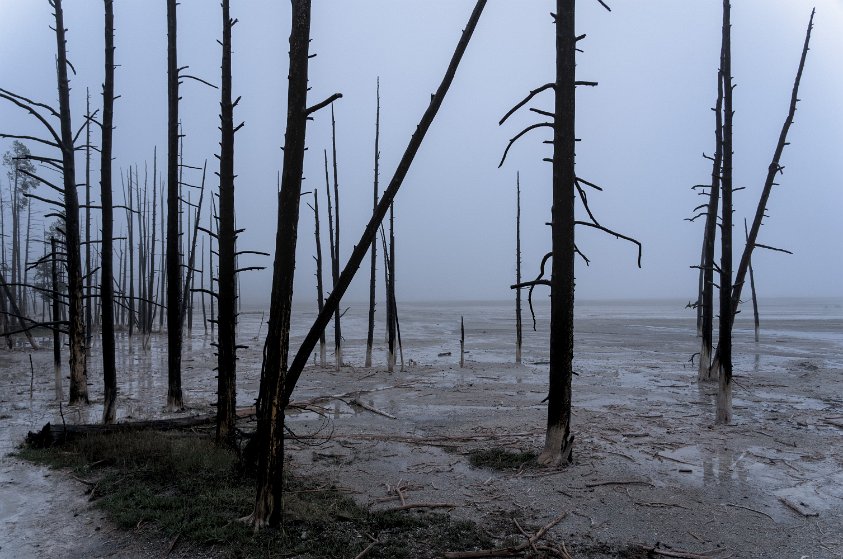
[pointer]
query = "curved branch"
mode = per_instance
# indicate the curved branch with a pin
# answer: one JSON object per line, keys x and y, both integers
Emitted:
{"x": 517, "y": 136}
{"x": 323, "y": 104}
{"x": 615, "y": 234}
{"x": 526, "y": 100}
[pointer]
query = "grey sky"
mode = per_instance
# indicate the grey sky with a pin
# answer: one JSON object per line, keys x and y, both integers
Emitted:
{"x": 643, "y": 129}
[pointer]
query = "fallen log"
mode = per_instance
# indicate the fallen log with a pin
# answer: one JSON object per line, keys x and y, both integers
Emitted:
{"x": 50, "y": 434}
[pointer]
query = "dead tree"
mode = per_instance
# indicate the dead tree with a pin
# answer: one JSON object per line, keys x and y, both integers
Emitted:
{"x": 335, "y": 252}
{"x": 773, "y": 170}
{"x": 227, "y": 318}
{"x": 174, "y": 278}
{"x": 320, "y": 292}
{"x": 567, "y": 186}
{"x": 752, "y": 288}
{"x": 518, "y": 268}
{"x": 362, "y": 246}
{"x": 370, "y": 337}
{"x": 89, "y": 277}
{"x": 390, "y": 292}
{"x": 130, "y": 220}
{"x": 462, "y": 342}
{"x": 56, "y": 319}
{"x": 107, "y": 283}
{"x": 706, "y": 295}
{"x": 270, "y": 406}
{"x": 724, "y": 389}
{"x": 78, "y": 363}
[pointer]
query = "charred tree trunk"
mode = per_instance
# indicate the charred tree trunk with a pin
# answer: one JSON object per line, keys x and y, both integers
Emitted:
{"x": 705, "y": 372}
{"x": 76, "y": 316}
{"x": 518, "y": 269}
{"x": 320, "y": 292}
{"x": 270, "y": 432}
{"x": 752, "y": 287}
{"x": 174, "y": 284}
{"x": 335, "y": 264}
{"x": 772, "y": 171}
{"x": 370, "y": 337}
{"x": 150, "y": 289}
{"x": 333, "y": 249}
{"x": 724, "y": 390}
{"x": 559, "y": 441}
{"x": 362, "y": 247}
{"x": 56, "y": 318}
{"x": 462, "y": 342}
{"x": 130, "y": 218}
{"x": 227, "y": 319}
{"x": 109, "y": 368}
{"x": 88, "y": 275}
{"x": 390, "y": 291}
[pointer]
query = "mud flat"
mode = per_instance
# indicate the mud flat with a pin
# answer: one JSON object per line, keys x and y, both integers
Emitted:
{"x": 649, "y": 465}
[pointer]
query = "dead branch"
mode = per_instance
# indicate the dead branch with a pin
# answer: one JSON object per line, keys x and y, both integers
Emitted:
{"x": 323, "y": 104}
{"x": 517, "y": 136}
{"x": 526, "y": 100}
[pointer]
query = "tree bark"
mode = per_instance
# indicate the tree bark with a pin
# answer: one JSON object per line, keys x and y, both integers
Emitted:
{"x": 705, "y": 372}
{"x": 76, "y": 317}
{"x": 320, "y": 292}
{"x": 362, "y": 247}
{"x": 88, "y": 275}
{"x": 56, "y": 318}
{"x": 370, "y": 337}
{"x": 518, "y": 269}
{"x": 270, "y": 433}
{"x": 226, "y": 341}
{"x": 174, "y": 285}
{"x": 558, "y": 439}
{"x": 109, "y": 368}
{"x": 335, "y": 264}
{"x": 724, "y": 389}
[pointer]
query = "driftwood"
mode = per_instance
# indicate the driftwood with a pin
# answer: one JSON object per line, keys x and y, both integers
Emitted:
{"x": 50, "y": 434}
{"x": 528, "y": 545}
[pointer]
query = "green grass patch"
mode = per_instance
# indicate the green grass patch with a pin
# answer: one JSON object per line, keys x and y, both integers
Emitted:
{"x": 181, "y": 484}
{"x": 501, "y": 459}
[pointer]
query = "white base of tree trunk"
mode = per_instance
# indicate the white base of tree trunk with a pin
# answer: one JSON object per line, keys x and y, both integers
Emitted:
{"x": 705, "y": 370}
{"x": 557, "y": 450}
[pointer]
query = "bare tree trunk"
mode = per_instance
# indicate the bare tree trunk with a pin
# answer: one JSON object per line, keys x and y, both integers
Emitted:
{"x": 226, "y": 343}
{"x": 724, "y": 390}
{"x": 150, "y": 313}
{"x": 320, "y": 295}
{"x": 78, "y": 370}
{"x": 130, "y": 218}
{"x": 174, "y": 285}
{"x": 462, "y": 342}
{"x": 774, "y": 169}
{"x": 109, "y": 367}
{"x": 333, "y": 249}
{"x": 370, "y": 338}
{"x": 705, "y": 372}
{"x": 518, "y": 269}
{"x": 752, "y": 287}
{"x": 88, "y": 275}
{"x": 335, "y": 264}
{"x": 211, "y": 216}
{"x": 25, "y": 306}
{"x": 270, "y": 440}
{"x": 56, "y": 319}
{"x": 559, "y": 441}
{"x": 362, "y": 247}
{"x": 390, "y": 290}
{"x": 163, "y": 260}
{"x": 187, "y": 308}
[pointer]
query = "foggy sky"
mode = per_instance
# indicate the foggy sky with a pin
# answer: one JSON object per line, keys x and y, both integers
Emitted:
{"x": 643, "y": 130}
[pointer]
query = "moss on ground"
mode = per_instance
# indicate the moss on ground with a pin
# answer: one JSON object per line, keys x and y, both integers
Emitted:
{"x": 182, "y": 485}
{"x": 501, "y": 459}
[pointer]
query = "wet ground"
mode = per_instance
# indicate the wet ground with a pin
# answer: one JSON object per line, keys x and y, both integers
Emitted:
{"x": 649, "y": 464}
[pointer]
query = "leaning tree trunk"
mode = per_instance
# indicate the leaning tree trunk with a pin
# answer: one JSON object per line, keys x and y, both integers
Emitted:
{"x": 752, "y": 288}
{"x": 518, "y": 269}
{"x": 109, "y": 368}
{"x": 270, "y": 432}
{"x": 709, "y": 239}
{"x": 558, "y": 439}
{"x": 370, "y": 337}
{"x": 774, "y": 169}
{"x": 75, "y": 285}
{"x": 174, "y": 283}
{"x": 227, "y": 318}
{"x": 362, "y": 246}
{"x": 724, "y": 390}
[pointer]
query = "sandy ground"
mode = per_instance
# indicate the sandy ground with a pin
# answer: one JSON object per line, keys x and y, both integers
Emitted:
{"x": 649, "y": 465}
